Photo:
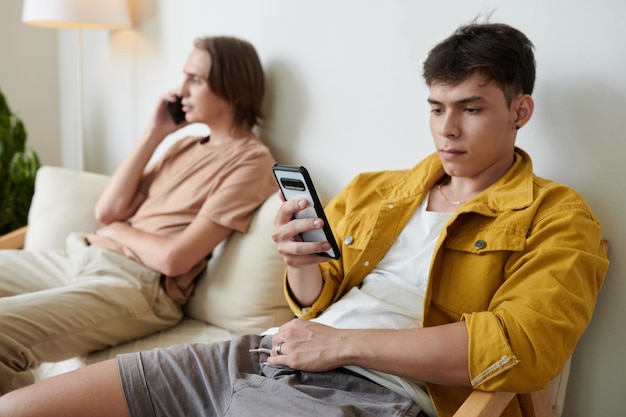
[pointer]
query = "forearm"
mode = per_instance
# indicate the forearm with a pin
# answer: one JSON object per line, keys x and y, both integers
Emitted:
{"x": 434, "y": 354}
{"x": 305, "y": 284}
{"x": 150, "y": 249}
{"x": 120, "y": 200}
{"x": 170, "y": 256}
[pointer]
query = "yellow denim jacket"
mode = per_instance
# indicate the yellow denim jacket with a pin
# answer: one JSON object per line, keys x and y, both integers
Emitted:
{"x": 521, "y": 264}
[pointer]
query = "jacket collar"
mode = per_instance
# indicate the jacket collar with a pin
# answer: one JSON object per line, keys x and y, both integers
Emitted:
{"x": 513, "y": 191}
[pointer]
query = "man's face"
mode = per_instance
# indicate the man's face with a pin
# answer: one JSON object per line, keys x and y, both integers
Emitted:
{"x": 200, "y": 103}
{"x": 473, "y": 128}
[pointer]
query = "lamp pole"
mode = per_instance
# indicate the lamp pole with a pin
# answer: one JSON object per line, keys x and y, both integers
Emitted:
{"x": 79, "y": 100}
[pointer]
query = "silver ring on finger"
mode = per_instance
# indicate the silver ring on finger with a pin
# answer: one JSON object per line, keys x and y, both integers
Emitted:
{"x": 278, "y": 349}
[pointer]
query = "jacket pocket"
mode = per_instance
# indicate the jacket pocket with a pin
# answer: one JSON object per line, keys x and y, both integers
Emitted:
{"x": 471, "y": 268}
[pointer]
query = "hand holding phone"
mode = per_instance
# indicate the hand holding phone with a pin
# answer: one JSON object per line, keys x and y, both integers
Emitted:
{"x": 295, "y": 182}
{"x": 176, "y": 110}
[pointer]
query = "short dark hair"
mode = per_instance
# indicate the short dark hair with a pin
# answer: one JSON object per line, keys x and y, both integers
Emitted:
{"x": 237, "y": 76}
{"x": 499, "y": 52}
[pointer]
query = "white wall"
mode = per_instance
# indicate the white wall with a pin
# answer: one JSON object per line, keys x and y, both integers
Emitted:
{"x": 29, "y": 80}
{"x": 346, "y": 95}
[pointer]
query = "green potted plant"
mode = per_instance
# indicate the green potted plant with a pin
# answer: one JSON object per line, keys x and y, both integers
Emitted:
{"x": 18, "y": 166}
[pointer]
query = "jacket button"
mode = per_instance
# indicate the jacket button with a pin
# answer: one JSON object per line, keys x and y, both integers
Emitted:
{"x": 480, "y": 244}
{"x": 366, "y": 263}
{"x": 348, "y": 240}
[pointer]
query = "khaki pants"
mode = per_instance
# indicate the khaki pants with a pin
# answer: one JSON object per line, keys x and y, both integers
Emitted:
{"x": 55, "y": 305}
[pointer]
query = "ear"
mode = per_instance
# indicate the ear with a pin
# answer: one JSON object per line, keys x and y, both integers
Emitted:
{"x": 522, "y": 107}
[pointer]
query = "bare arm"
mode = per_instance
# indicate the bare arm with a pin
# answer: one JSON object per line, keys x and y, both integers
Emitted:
{"x": 433, "y": 354}
{"x": 169, "y": 255}
{"x": 120, "y": 198}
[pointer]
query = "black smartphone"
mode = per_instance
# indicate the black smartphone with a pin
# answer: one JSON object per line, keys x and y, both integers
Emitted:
{"x": 295, "y": 181}
{"x": 176, "y": 110}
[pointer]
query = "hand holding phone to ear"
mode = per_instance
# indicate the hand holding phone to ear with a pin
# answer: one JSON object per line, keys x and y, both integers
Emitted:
{"x": 176, "y": 110}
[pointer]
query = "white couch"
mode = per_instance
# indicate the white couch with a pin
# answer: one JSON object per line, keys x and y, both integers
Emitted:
{"x": 240, "y": 292}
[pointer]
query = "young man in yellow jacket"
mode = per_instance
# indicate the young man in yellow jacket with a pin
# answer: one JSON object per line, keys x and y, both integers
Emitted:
{"x": 501, "y": 267}
{"x": 467, "y": 271}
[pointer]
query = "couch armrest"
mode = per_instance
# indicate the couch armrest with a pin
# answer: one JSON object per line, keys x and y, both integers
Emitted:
{"x": 14, "y": 239}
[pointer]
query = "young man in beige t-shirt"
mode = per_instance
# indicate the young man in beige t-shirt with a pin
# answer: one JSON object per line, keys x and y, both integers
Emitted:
{"x": 161, "y": 222}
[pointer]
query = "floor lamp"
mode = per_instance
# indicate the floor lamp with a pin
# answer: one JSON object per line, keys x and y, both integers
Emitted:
{"x": 79, "y": 15}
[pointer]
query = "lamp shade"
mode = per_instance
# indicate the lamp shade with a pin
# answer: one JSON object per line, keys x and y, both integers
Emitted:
{"x": 86, "y": 14}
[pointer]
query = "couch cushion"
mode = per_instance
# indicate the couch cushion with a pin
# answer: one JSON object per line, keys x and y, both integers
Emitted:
{"x": 187, "y": 331}
{"x": 63, "y": 203}
{"x": 242, "y": 287}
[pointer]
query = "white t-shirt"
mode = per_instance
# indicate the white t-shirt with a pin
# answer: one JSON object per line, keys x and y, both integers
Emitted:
{"x": 392, "y": 296}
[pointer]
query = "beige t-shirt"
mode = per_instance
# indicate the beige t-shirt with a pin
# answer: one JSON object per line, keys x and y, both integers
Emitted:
{"x": 194, "y": 177}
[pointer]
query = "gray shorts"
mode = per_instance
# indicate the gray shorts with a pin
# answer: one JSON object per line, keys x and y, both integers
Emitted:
{"x": 224, "y": 379}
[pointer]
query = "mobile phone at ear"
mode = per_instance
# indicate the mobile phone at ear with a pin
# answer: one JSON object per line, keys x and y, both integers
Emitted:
{"x": 295, "y": 182}
{"x": 176, "y": 110}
